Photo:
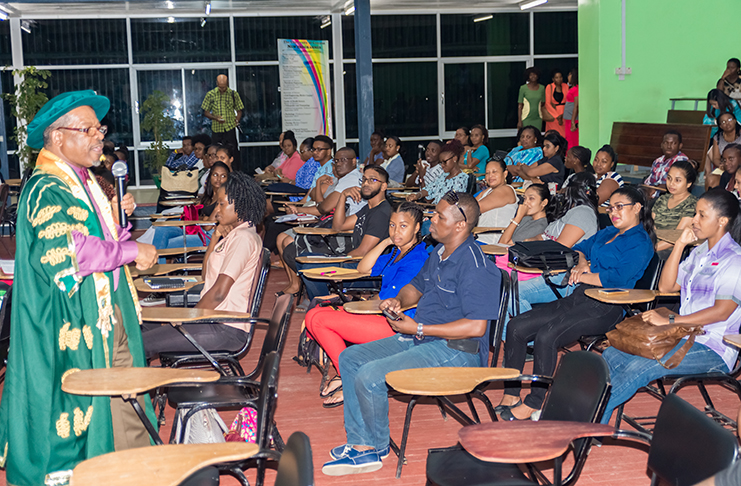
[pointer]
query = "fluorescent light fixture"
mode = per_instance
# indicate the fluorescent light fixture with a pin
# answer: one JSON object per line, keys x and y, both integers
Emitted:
{"x": 26, "y": 26}
{"x": 485, "y": 17}
{"x": 349, "y": 10}
{"x": 203, "y": 22}
{"x": 170, "y": 5}
{"x": 533, "y": 3}
{"x": 170, "y": 20}
{"x": 326, "y": 22}
{"x": 208, "y": 8}
{"x": 3, "y": 15}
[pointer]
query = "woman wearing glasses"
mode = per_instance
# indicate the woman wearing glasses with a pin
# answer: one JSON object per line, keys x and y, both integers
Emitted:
{"x": 615, "y": 257}
{"x": 453, "y": 179}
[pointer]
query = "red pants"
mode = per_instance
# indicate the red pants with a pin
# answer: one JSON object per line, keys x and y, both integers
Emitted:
{"x": 332, "y": 329}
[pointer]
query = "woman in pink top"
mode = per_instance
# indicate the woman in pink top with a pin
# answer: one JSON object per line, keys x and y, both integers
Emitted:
{"x": 229, "y": 267}
{"x": 555, "y": 100}
{"x": 571, "y": 110}
{"x": 287, "y": 171}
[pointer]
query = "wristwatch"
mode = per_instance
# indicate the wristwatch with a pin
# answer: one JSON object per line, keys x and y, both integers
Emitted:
{"x": 671, "y": 318}
{"x": 420, "y": 331}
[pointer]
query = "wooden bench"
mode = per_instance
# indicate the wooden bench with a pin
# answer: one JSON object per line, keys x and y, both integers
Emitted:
{"x": 640, "y": 143}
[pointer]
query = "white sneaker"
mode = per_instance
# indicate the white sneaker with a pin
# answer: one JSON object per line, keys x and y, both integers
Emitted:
{"x": 152, "y": 300}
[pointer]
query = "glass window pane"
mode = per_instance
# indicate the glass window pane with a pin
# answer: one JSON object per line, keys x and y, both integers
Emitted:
{"x": 501, "y": 143}
{"x": 504, "y": 81}
{"x": 60, "y": 42}
{"x": 145, "y": 177}
{"x": 198, "y": 82}
{"x": 547, "y": 66}
{"x": 395, "y": 36}
{"x": 6, "y": 55}
{"x": 184, "y": 40}
{"x": 112, "y": 83}
{"x": 505, "y": 34}
{"x": 464, "y": 95}
{"x": 260, "y": 156}
{"x": 555, "y": 33}
{"x": 256, "y": 38}
{"x": 14, "y": 167}
{"x": 170, "y": 83}
{"x": 259, "y": 88}
{"x": 351, "y": 101}
{"x": 6, "y": 77}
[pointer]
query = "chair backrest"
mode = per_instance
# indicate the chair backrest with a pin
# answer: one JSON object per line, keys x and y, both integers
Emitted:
{"x": 258, "y": 283}
{"x": 650, "y": 278}
{"x": 296, "y": 466}
{"x": 275, "y": 338}
{"x": 579, "y": 388}
{"x": 267, "y": 399}
{"x": 687, "y": 446}
{"x": 497, "y": 327}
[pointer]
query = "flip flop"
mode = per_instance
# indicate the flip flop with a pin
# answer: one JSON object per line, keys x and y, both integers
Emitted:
{"x": 333, "y": 404}
{"x": 329, "y": 394}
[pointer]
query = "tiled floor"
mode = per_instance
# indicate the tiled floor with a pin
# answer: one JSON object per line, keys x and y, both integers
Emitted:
{"x": 299, "y": 408}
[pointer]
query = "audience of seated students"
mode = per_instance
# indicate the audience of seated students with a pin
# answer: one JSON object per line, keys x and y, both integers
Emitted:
{"x": 269, "y": 171}
{"x": 477, "y": 154}
{"x": 671, "y": 146}
{"x": 232, "y": 258}
{"x": 454, "y": 293}
{"x": 429, "y": 169}
{"x": 549, "y": 169}
{"x": 729, "y": 133}
{"x": 572, "y": 219}
{"x": 730, "y": 81}
{"x": 183, "y": 156}
{"x": 616, "y": 256}
{"x": 608, "y": 181}
{"x": 676, "y": 208}
{"x": 578, "y": 159}
{"x": 463, "y": 135}
{"x": 719, "y": 103}
{"x": 529, "y": 149}
{"x": 333, "y": 329}
{"x": 730, "y": 163}
{"x": 453, "y": 178}
{"x": 375, "y": 157}
{"x": 393, "y": 163}
{"x": 710, "y": 292}
{"x": 286, "y": 173}
{"x": 498, "y": 202}
{"x": 369, "y": 225}
{"x": 304, "y": 175}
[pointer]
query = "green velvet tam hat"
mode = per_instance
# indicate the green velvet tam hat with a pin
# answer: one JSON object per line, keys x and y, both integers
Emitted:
{"x": 58, "y": 107}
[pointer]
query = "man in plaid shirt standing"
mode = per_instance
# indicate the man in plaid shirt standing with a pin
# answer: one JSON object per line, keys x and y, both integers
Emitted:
{"x": 220, "y": 105}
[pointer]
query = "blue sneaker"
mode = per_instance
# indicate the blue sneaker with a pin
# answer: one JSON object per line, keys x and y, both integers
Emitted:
{"x": 354, "y": 462}
{"x": 341, "y": 451}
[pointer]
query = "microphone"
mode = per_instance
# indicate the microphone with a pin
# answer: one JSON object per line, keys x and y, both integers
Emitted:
{"x": 120, "y": 169}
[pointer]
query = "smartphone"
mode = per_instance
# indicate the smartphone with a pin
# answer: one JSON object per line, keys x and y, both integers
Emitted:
{"x": 391, "y": 315}
{"x": 420, "y": 152}
{"x": 520, "y": 199}
{"x": 613, "y": 291}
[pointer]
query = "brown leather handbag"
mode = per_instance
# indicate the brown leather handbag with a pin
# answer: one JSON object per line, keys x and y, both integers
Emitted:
{"x": 633, "y": 336}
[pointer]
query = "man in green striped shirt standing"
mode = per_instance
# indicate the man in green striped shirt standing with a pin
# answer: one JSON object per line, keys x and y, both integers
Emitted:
{"x": 224, "y": 107}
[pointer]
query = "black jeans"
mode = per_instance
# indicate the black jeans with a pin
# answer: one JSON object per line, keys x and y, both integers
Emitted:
{"x": 552, "y": 326}
{"x": 228, "y": 138}
{"x": 213, "y": 337}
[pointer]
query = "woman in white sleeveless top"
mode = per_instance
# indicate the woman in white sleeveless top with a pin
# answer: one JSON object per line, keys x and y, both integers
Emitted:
{"x": 498, "y": 202}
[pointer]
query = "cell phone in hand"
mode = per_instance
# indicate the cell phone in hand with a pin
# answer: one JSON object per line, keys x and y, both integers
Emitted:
{"x": 391, "y": 315}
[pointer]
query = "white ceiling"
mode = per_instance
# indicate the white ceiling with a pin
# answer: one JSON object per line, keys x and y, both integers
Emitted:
{"x": 108, "y": 8}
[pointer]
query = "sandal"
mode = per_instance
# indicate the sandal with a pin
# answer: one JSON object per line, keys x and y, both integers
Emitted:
{"x": 501, "y": 408}
{"x": 333, "y": 404}
{"x": 332, "y": 392}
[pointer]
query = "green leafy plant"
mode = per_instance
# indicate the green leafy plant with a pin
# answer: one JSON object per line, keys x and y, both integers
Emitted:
{"x": 25, "y": 102}
{"x": 162, "y": 127}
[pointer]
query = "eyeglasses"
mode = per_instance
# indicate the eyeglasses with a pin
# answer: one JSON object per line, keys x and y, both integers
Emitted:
{"x": 320, "y": 149}
{"x": 90, "y": 131}
{"x": 618, "y": 207}
{"x": 728, "y": 121}
{"x": 447, "y": 160}
{"x": 363, "y": 180}
{"x": 342, "y": 160}
{"x": 452, "y": 198}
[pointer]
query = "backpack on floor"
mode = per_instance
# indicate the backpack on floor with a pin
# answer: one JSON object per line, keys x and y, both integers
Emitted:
{"x": 311, "y": 354}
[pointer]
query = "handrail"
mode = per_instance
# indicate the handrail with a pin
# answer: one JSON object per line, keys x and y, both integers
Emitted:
{"x": 696, "y": 100}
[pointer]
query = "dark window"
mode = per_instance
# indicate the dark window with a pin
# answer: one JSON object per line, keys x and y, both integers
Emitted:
{"x": 6, "y": 77}
{"x": 464, "y": 95}
{"x": 256, "y": 38}
{"x": 145, "y": 177}
{"x": 404, "y": 99}
{"x": 259, "y": 88}
{"x": 395, "y": 36}
{"x": 503, "y": 143}
{"x": 198, "y": 82}
{"x": 14, "y": 167}
{"x": 259, "y": 156}
{"x": 6, "y": 55}
{"x": 170, "y": 83}
{"x": 184, "y": 40}
{"x": 112, "y": 83}
{"x": 505, "y": 34}
{"x": 555, "y": 33}
{"x": 61, "y": 42}
{"x": 504, "y": 81}
{"x": 546, "y": 67}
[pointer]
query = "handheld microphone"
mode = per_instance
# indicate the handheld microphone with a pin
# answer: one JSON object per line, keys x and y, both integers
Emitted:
{"x": 120, "y": 169}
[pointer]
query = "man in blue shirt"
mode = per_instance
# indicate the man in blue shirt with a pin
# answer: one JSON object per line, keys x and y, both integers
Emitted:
{"x": 454, "y": 293}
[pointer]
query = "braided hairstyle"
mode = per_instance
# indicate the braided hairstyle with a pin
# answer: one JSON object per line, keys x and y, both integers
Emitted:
{"x": 247, "y": 196}
{"x": 415, "y": 211}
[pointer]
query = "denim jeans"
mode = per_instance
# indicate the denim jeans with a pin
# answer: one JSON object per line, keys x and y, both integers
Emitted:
{"x": 535, "y": 291}
{"x": 172, "y": 237}
{"x": 628, "y": 373}
{"x": 363, "y": 369}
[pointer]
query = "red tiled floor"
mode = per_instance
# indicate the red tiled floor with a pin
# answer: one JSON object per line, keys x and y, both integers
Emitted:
{"x": 300, "y": 408}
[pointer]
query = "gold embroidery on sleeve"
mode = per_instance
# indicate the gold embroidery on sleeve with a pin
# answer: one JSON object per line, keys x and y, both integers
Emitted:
{"x": 69, "y": 372}
{"x": 66, "y": 273}
{"x": 78, "y": 213}
{"x": 45, "y": 214}
{"x": 81, "y": 422}
{"x": 87, "y": 333}
{"x": 55, "y": 230}
{"x": 55, "y": 256}
{"x": 63, "y": 425}
{"x": 69, "y": 338}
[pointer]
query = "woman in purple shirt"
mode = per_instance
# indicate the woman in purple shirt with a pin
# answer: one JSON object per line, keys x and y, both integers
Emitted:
{"x": 710, "y": 286}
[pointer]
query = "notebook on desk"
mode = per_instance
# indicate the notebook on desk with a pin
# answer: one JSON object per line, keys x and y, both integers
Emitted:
{"x": 157, "y": 283}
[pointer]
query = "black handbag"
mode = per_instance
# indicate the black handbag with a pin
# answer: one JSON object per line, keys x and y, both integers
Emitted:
{"x": 544, "y": 255}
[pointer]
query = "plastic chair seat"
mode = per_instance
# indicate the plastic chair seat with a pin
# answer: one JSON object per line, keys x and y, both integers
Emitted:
{"x": 215, "y": 394}
{"x": 455, "y": 466}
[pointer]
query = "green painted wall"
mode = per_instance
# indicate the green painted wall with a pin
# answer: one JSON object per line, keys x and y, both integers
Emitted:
{"x": 672, "y": 47}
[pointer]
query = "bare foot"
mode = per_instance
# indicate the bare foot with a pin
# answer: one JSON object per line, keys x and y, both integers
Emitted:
{"x": 509, "y": 400}
{"x": 336, "y": 398}
{"x": 523, "y": 412}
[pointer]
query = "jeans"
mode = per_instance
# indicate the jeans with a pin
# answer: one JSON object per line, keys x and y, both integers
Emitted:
{"x": 363, "y": 369}
{"x": 629, "y": 373}
{"x": 535, "y": 291}
{"x": 552, "y": 326}
{"x": 172, "y": 237}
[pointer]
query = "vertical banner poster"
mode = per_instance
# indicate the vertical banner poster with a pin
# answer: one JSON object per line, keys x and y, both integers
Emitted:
{"x": 306, "y": 105}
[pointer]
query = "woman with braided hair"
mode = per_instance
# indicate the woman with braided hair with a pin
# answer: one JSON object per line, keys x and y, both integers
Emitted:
{"x": 332, "y": 329}
{"x": 232, "y": 258}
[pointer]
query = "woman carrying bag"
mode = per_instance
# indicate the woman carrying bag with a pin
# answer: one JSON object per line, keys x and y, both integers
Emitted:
{"x": 710, "y": 286}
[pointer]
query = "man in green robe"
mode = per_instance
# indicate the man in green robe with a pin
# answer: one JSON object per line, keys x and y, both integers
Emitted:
{"x": 74, "y": 305}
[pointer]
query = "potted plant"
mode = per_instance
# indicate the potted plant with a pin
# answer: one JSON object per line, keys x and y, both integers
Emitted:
{"x": 25, "y": 102}
{"x": 162, "y": 127}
